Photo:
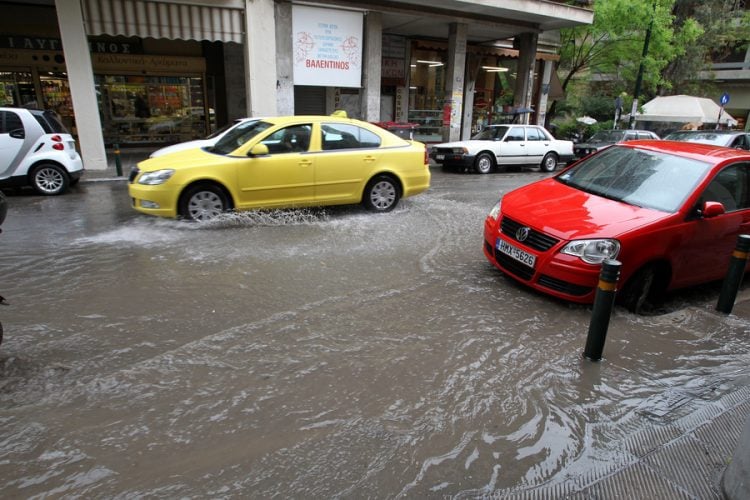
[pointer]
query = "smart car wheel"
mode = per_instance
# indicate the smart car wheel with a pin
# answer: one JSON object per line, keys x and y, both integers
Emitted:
{"x": 203, "y": 202}
{"x": 549, "y": 162}
{"x": 49, "y": 179}
{"x": 381, "y": 194}
{"x": 484, "y": 163}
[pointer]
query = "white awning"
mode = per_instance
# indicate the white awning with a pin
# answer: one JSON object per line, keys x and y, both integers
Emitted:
{"x": 216, "y": 21}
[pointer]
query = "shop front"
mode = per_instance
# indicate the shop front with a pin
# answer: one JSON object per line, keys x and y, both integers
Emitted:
{"x": 143, "y": 99}
{"x": 147, "y": 100}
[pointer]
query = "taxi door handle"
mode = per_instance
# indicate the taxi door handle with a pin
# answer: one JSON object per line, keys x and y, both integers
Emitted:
{"x": 305, "y": 163}
{"x": 370, "y": 158}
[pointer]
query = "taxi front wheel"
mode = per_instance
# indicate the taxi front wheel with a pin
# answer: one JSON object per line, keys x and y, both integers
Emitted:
{"x": 203, "y": 202}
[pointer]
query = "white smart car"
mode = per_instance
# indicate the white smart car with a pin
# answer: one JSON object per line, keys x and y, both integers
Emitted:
{"x": 37, "y": 150}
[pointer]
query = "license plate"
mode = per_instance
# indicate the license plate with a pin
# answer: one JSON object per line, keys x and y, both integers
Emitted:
{"x": 440, "y": 157}
{"x": 515, "y": 253}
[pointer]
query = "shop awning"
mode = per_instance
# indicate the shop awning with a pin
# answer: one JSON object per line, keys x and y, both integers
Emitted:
{"x": 222, "y": 20}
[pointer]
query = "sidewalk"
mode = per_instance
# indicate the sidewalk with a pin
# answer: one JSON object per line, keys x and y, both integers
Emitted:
{"x": 129, "y": 158}
{"x": 683, "y": 450}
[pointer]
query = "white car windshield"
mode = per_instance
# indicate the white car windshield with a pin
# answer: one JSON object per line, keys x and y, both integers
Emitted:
{"x": 638, "y": 177}
{"x": 490, "y": 134}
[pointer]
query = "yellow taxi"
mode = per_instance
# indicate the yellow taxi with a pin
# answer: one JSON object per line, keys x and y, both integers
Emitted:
{"x": 283, "y": 162}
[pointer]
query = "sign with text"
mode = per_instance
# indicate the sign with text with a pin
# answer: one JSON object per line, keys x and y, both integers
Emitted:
{"x": 327, "y": 47}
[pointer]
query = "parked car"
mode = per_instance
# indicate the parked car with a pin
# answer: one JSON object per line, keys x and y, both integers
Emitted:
{"x": 497, "y": 146}
{"x": 292, "y": 161}
{"x": 670, "y": 212}
{"x": 738, "y": 139}
{"x": 210, "y": 140}
{"x": 37, "y": 150}
{"x": 604, "y": 138}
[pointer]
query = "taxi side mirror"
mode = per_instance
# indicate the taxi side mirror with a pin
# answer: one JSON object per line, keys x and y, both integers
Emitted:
{"x": 258, "y": 150}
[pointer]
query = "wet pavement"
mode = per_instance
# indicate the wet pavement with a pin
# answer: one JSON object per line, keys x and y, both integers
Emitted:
{"x": 339, "y": 353}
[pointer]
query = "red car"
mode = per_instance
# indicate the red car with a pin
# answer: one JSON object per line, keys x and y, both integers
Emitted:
{"x": 670, "y": 212}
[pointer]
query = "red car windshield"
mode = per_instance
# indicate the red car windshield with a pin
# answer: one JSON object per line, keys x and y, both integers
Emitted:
{"x": 638, "y": 177}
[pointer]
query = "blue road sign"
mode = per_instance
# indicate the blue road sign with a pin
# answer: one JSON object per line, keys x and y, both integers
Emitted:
{"x": 724, "y": 98}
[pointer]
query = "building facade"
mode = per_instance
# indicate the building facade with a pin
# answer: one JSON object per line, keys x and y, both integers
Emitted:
{"x": 142, "y": 73}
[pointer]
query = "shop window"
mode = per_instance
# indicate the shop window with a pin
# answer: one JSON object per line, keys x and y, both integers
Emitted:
{"x": 138, "y": 110}
{"x": 17, "y": 89}
{"x": 427, "y": 93}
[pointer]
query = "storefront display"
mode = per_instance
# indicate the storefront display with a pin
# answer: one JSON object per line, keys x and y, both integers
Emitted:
{"x": 135, "y": 109}
{"x": 16, "y": 88}
{"x": 151, "y": 110}
{"x": 426, "y": 94}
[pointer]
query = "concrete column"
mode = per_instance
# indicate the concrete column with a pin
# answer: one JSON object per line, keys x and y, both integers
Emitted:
{"x": 284, "y": 59}
{"x": 260, "y": 57}
{"x": 525, "y": 75}
{"x": 541, "y": 105}
{"x": 472, "y": 72}
{"x": 454, "y": 79}
{"x": 373, "y": 53}
{"x": 81, "y": 81}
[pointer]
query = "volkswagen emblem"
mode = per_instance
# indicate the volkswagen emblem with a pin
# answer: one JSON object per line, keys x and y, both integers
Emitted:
{"x": 522, "y": 233}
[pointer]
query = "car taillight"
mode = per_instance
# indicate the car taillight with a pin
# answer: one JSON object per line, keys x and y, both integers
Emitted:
{"x": 426, "y": 157}
{"x": 57, "y": 143}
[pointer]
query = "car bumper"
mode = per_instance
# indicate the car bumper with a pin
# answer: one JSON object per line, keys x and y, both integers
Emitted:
{"x": 153, "y": 200}
{"x": 562, "y": 276}
{"x": 452, "y": 160}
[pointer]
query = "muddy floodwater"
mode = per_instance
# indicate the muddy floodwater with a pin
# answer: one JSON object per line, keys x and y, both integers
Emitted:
{"x": 321, "y": 354}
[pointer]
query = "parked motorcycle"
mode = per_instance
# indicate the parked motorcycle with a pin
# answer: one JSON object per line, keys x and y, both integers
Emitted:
{"x": 3, "y": 213}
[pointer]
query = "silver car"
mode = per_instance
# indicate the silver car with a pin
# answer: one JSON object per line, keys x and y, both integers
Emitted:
{"x": 37, "y": 150}
{"x": 737, "y": 139}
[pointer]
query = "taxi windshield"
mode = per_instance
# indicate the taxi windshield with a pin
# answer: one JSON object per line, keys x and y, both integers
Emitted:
{"x": 239, "y": 136}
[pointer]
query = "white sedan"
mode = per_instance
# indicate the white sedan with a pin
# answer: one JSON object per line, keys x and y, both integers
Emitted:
{"x": 498, "y": 146}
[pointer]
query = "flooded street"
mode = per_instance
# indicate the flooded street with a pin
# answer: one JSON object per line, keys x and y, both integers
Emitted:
{"x": 324, "y": 353}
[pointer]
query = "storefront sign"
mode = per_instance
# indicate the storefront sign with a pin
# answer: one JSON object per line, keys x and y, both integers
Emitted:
{"x": 327, "y": 47}
{"x": 54, "y": 44}
{"x": 393, "y": 68}
{"x": 115, "y": 63}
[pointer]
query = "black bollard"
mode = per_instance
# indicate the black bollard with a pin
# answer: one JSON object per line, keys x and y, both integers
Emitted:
{"x": 118, "y": 165}
{"x": 734, "y": 276}
{"x": 603, "y": 303}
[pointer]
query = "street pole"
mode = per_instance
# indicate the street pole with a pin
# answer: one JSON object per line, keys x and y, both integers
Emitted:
{"x": 639, "y": 78}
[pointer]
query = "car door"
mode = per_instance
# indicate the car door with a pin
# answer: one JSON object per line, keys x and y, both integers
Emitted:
{"x": 537, "y": 145}
{"x": 284, "y": 177}
{"x": 704, "y": 253}
{"x": 12, "y": 137}
{"x": 512, "y": 149}
{"x": 349, "y": 156}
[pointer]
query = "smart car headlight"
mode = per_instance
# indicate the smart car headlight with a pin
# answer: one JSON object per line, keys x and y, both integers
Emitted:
{"x": 156, "y": 177}
{"x": 495, "y": 212}
{"x": 593, "y": 251}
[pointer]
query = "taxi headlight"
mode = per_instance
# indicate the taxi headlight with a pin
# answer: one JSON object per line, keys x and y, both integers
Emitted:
{"x": 156, "y": 177}
{"x": 593, "y": 251}
{"x": 495, "y": 212}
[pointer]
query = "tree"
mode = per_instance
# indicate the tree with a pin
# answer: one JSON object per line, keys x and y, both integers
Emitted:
{"x": 725, "y": 31}
{"x": 611, "y": 47}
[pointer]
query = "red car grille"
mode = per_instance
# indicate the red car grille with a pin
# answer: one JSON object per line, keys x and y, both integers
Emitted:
{"x": 536, "y": 240}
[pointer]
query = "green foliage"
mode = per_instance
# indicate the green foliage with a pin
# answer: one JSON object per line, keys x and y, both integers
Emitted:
{"x": 684, "y": 36}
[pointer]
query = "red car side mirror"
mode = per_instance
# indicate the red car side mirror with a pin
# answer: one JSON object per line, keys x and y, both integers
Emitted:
{"x": 712, "y": 209}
